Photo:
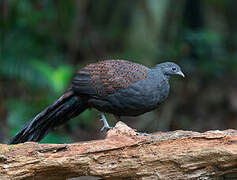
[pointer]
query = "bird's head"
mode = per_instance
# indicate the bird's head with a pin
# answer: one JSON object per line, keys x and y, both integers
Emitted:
{"x": 170, "y": 69}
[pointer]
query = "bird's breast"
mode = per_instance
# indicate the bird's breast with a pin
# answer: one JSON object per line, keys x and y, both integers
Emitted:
{"x": 137, "y": 99}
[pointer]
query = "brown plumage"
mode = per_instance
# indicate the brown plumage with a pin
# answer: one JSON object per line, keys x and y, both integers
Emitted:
{"x": 106, "y": 77}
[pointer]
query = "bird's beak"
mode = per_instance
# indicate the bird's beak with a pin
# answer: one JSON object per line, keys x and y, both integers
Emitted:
{"x": 180, "y": 73}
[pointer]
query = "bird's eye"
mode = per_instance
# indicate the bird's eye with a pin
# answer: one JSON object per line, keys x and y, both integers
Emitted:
{"x": 173, "y": 69}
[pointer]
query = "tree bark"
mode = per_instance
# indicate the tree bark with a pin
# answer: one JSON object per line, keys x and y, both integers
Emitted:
{"x": 125, "y": 155}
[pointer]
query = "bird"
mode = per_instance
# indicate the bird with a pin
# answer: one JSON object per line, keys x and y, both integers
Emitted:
{"x": 119, "y": 87}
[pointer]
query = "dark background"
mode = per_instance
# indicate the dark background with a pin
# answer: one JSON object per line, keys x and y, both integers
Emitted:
{"x": 43, "y": 43}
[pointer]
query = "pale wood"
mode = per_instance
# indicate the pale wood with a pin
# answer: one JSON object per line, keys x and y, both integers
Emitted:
{"x": 125, "y": 155}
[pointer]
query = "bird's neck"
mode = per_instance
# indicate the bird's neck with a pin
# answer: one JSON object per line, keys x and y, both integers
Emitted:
{"x": 161, "y": 82}
{"x": 167, "y": 77}
{"x": 158, "y": 71}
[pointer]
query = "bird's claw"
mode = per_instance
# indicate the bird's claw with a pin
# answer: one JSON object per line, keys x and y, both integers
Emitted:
{"x": 106, "y": 128}
{"x": 143, "y": 134}
{"x": 106, "y": 125}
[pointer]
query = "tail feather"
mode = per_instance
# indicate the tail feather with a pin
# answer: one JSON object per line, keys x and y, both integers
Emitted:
{"x": 62, "y": 110}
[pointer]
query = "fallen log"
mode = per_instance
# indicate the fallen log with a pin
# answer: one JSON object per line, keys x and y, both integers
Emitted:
{"x": 126, "y": 155}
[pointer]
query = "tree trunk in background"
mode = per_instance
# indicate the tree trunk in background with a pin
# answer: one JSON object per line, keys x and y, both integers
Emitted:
{"x": 4, "y": 136}
{"x": 172, "y": 21}
{"x": 77, "y": 33}
{"x": 231, "y": 15}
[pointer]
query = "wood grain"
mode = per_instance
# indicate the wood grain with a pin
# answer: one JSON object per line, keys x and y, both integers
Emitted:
{"x": 125, "y": 155}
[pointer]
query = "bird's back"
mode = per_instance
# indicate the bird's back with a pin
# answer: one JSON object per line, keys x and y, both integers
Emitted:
{"x": 109, "y": 76}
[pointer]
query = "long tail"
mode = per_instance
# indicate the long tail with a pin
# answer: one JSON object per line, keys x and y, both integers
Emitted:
{"x": 62, "y": 110}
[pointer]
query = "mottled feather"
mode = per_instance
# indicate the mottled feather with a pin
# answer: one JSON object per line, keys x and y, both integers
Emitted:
{"x": 106, "y": 77}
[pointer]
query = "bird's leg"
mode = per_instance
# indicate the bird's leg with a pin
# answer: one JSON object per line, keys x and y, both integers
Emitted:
{"x": 106, "y": 125}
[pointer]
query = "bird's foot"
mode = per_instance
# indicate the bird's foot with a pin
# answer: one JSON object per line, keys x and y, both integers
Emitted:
{"x": 106, "y": 125}
{"x": 143, "y": 134}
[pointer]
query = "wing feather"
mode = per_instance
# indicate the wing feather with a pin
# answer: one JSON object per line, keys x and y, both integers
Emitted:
{"x": 107, "y": 77}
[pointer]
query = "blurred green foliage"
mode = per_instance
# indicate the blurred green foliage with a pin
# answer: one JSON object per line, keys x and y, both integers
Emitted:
{"x": 43, "y": 43}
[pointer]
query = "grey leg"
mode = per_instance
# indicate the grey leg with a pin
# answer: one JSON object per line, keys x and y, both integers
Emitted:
{"x": 106, "y": 125}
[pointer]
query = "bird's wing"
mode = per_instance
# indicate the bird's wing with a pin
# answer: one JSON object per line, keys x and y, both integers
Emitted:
{"x": 106, "y": 77}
